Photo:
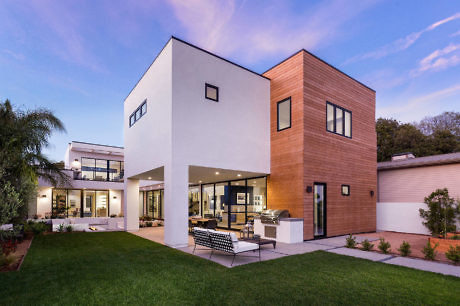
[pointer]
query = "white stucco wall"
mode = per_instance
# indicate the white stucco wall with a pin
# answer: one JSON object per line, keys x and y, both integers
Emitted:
{"x": 148, "y": 142}
{"x": 400, "y": 217}
{"x": 233, "y": 133}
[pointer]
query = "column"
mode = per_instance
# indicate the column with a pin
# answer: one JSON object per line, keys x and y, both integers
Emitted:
{"x": 131, "y": 205}
{"x": 175, "y": 207}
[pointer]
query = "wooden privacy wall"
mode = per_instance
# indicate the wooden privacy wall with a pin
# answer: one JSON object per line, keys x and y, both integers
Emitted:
{"x": 308, "y": 153}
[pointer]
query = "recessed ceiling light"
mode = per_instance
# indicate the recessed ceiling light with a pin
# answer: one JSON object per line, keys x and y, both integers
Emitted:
{"x": 237, "y": 183}
{"x": 199, "y": 181}
{"x": 150, "y": 177}
{"x": 239, "y": 174}
{"x": 217, "y": 173}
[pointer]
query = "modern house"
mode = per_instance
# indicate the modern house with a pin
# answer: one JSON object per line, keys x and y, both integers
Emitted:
{"x": 218, "y": 140}
{"x": 405, "y": 181}
{"x": 95, "y": 186}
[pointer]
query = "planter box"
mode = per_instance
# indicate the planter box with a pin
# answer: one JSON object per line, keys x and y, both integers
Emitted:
{"x": 443, "y": 244}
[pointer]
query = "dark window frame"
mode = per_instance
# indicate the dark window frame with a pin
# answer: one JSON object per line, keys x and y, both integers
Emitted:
{"x": 344, "y": 110}
{"x": 108, "y": 172}
{"x": 206, "y": 85}
{"x": 349, "y": 190}
{"x": 278, "y": 114}
{"x": 141, "y": 113}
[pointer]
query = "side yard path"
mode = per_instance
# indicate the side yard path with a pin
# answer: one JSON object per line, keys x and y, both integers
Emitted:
{"x": 420, "y": 264}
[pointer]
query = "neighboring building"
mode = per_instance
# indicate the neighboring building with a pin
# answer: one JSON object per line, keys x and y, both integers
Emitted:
{"x": 216, "y": 136}
{"x": 96, "y": 184}
{"x": 404, "y": 182}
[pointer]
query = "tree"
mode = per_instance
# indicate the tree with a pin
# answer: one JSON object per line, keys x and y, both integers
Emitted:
{"x": 441, "y": 213}
{"x": 449, "y": 121}
{"x": 10, "y": 203}
{"x": 23, "y": 135}
{"x": 386, "y": 131}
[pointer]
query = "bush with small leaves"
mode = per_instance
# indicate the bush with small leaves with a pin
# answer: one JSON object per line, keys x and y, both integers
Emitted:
{"x": 60, "y": 228}
{"x": 351, "y": 242}
{"x": 454, "y": 254}
{"x": 366, "y": 245}
{"x": 6, "y": 260}
{"x": 404, "y": 249}
{"x": 69, "y": 228}
{"x": 149, "y": 224}
{"x": 384, "y": 246}
{"x": 429, "y": 251}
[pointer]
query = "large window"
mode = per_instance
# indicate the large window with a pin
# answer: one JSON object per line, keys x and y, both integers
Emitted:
{"x": 101, "y": 169}
{"x": 284, "y": 114}
{"x": 138, "y": 113}
{"x": 338, "y": 120}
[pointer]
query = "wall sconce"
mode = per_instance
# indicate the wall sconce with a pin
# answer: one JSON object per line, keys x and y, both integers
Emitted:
{"x": 114, "y": 197}
{"x": 309, "y": 189}
{"x": 372, "y": 193}
{"x": 43, "y": 195}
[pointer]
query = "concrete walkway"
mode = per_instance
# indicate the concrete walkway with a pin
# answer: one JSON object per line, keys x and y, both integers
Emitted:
{"x": 420, "y": 264}
{"x": 332, "y": 245}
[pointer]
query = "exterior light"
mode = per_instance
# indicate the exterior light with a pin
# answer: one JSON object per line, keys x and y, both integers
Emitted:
{"x": 199, "y": 181}
{"x": 43, "y": 195}
{"x": 237, "y": 183}
{"x": 150, "y": 177}
{"x": 217, "y": 173}
{"x": 239, "y": 175}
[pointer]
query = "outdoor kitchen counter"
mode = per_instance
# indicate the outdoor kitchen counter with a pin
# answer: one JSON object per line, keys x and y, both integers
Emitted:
{"x": 289, "y": 230}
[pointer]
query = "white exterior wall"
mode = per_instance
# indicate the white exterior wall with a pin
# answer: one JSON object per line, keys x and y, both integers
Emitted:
{"x": 401, "y": 217}
{"x": 148, "y": 141}
{"x": 233, "y": 133}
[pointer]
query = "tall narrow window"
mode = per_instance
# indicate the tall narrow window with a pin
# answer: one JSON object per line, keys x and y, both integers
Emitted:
{"x": 211, "y": 92}
{"x": 338, "y": 120}
{"x": 330, "y": 117}
{"x": 347, "y": 122}
{"x": 284, "y": 114}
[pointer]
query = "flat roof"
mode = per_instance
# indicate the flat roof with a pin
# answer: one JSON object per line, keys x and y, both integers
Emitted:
{"x": 333, "y": 67}
{"x": 198, "y": 48}
{"x": 96, "y": 144}
{"x": 434, "y": 160}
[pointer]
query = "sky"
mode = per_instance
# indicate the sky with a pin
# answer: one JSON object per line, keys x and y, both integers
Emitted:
{"x": 80, "y": 59}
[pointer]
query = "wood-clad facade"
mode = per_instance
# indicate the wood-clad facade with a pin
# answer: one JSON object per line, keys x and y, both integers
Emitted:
{"x": 307, "y": 153}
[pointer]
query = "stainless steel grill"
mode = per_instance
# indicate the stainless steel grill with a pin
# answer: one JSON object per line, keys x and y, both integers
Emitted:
{"x": 273, "y": 216}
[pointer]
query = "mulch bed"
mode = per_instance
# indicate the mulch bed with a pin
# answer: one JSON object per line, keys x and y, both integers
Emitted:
{"x": 20, "y": 254}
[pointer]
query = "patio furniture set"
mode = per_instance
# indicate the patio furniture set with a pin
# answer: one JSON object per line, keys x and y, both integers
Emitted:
{"x": 227, "y": 242}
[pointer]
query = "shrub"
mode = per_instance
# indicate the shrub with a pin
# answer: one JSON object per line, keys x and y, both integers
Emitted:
{"x": 441, "y": 213}
{"x": 404, "y": 249}
{"x": 384, "y": 246}
{"x": 113, "y": 215}
{"x": 366, "y": 245}
{"x": 149, "y": 224}
{"x": 9, "y": 246}
{"x": 60, "y": 228}
{"x": 429, "y": 251}
{"x": 455, "y": 237}
{"x": 69, "y": 228}
{"x": 351, "y": 242}
{"x": 147, "y": 218}
{"x": 454, "y": 254}
{"x": 5, "y": 261}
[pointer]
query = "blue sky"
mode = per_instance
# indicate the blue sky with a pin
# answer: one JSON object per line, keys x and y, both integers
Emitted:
{"x": 81, "y": 58}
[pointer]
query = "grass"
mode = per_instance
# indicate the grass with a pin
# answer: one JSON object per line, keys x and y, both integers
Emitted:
{"x": 120, "y": 268}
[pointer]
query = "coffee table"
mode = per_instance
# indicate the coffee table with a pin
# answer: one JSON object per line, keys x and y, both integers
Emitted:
{"x": 261, "y": 241}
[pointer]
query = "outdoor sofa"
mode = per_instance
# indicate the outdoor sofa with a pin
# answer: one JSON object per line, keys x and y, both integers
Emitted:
{"x": 222, "y": 241}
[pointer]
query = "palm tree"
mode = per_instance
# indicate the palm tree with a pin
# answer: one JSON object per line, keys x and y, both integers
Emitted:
{"x": 23, "y": 135}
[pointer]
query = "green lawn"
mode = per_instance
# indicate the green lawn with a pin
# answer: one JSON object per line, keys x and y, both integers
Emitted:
{"x": 113, "y": 268}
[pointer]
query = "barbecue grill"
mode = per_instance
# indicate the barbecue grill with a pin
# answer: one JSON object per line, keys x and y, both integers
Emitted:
{"x": 273, "y": 216}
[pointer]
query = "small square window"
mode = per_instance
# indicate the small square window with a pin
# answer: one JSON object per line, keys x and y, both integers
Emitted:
{"x": 211, "y": 92}
{"x": 144, "y": 108}
{"x": 345, "y": 190}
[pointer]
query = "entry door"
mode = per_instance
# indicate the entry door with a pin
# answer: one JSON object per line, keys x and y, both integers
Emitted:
{"x": 319, "y": 210}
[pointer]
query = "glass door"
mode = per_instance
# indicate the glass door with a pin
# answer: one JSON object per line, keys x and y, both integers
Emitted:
{"x": 319, "y": 210}
{"x": 238, "y": 202}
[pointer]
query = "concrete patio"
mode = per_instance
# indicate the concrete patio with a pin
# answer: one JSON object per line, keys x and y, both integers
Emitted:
{"x": 333, "y": 245}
